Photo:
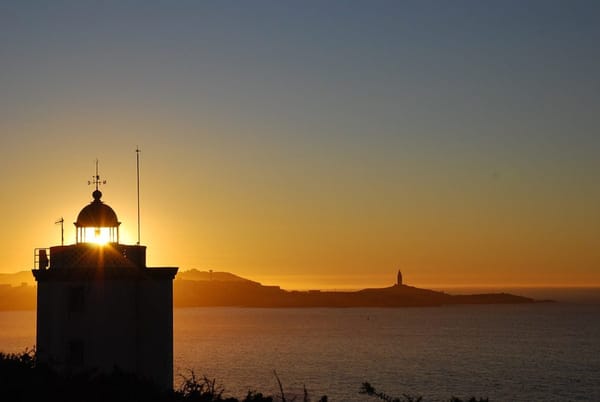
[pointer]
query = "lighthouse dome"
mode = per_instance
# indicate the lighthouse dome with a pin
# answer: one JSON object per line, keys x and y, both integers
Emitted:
{"x": 97, "y": 214}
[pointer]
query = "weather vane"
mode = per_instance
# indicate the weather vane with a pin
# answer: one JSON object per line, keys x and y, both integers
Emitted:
{"x": 96, "y": 179}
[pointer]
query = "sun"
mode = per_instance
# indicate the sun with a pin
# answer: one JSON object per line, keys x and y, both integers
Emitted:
{"x": 100, "y": 236}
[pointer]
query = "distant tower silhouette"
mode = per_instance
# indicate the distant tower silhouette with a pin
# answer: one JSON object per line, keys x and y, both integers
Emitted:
{"x": 99, "y": 306}
{"x": 399, "y": 279}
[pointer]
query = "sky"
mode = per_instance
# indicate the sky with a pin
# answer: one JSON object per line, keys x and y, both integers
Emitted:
{"x": 313, "y": 144}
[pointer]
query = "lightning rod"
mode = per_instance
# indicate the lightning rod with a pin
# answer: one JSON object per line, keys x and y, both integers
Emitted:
{"x": 137, "y": 155}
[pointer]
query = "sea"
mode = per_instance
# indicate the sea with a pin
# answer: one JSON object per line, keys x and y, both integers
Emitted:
{"x": 520, "y": 352}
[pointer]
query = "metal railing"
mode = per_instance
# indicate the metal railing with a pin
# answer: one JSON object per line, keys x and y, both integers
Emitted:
{"x": 41, "y": 258}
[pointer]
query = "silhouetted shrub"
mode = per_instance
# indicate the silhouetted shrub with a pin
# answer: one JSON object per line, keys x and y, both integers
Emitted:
{"x": 369, "y": 390}
{"x": 23, "y": 379}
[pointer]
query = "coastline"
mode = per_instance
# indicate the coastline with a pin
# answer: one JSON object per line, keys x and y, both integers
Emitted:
{"x": 204, "y": 289}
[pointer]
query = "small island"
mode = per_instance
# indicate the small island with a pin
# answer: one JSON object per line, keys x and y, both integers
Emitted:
{"x": 206, "y": 288}
{"x": 196, "y": 288}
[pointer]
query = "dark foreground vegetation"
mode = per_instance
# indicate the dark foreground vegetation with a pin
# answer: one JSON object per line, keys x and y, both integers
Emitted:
{"x": 22, "y": 379}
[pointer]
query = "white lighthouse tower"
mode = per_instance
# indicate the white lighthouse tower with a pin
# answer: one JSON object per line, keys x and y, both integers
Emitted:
{"x": 99, "y": 306}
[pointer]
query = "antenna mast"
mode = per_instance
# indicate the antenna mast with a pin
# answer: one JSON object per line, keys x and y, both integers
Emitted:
{"x": 62, "y": 230}
{"x": 137, "y": 155}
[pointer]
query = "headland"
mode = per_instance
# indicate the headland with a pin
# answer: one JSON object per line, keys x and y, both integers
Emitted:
{"x": 201, "y": 288}
{"x": 195, "y": 288}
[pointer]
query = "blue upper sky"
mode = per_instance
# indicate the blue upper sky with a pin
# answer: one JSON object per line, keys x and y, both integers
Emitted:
{"x": 382, "y": 104}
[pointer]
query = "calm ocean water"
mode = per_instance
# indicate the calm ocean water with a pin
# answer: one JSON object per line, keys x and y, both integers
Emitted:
{"x": 541, "y": 352}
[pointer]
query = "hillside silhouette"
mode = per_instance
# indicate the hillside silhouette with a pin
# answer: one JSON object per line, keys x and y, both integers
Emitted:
{"x": 17, "y": 278}
{"x": 195, "y": 288}
{"x": 196, "y": 275}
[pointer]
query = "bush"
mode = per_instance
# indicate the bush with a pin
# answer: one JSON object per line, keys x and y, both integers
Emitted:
{"x": 23, "y": 379}
{"x": 369, "y": 390}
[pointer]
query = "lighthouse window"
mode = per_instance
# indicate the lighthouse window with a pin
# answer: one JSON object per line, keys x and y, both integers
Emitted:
{"x": 76, "y": 299}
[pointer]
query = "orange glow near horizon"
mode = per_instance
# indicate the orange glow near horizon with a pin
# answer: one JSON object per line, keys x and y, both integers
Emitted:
{"x": 321, "y": 158}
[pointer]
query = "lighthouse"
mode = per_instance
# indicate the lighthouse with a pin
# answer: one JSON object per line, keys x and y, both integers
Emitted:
{"x": 99, "y": 307}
